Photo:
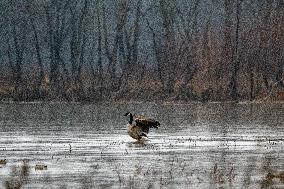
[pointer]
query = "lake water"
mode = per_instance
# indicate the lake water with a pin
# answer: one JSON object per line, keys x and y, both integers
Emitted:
{"x": 87, "y": 146}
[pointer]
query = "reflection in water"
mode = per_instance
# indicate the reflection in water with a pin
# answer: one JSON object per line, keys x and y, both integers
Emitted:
{"x": 87, "y": 146}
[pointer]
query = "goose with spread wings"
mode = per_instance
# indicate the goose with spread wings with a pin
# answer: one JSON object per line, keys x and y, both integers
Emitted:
{"x": 141, "y": 127}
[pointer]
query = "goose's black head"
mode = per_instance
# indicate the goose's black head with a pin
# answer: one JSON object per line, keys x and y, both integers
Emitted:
{"x": 130, "y": 117}
{"x": 127, "y": 113}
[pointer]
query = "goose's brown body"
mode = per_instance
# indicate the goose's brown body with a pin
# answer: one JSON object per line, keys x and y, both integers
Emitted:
{"x": 141, "y": 128}
{"x": 135, "y": 132}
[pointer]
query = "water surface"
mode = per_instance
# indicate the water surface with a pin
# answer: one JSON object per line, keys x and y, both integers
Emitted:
{"x": 197, "y": 146}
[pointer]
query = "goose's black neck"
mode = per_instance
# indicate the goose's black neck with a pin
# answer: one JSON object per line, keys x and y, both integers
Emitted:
{"x": 131, "y": 118}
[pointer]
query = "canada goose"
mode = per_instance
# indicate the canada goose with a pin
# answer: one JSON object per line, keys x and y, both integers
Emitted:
{"x": 141, "y": 128}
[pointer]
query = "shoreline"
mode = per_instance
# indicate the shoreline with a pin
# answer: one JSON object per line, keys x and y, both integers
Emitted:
{"x": 161, "y": 102}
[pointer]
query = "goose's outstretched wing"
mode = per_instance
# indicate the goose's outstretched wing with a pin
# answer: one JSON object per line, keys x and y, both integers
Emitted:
{"x": 145, "y": 123}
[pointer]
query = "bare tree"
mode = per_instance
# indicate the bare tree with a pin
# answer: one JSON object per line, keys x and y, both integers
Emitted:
{"x": 111, "y": 53}
{"x": 235, "y": 56}
{"x": 56, "y": 17}
{"x": 77, "y": 44}
{"x": 277, "y": 42}
{"x": 226, "y": 49}
{"x": 16, "y": 47}
{"x": 131, "y": 37}
{"x": 99, "y": 51}
{"x": 36, "y": 38}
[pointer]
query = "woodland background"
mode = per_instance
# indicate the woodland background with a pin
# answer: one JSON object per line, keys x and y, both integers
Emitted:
{"x": 146, "y": 50}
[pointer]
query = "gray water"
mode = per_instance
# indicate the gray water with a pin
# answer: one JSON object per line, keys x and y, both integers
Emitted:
{"x": 197, "y": 146}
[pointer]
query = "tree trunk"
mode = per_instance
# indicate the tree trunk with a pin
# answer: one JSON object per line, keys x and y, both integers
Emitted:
{"x": 18, "y": 66}
{"x": 235, "y": 57}
{"x": 111, "y": 55}
{"x": 39, "y": 61}
{"x": 100, "y": 66}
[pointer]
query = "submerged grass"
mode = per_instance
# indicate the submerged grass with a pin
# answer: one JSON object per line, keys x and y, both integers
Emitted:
{"x": 19, "y": 176}
{"x": 177, "y": 173}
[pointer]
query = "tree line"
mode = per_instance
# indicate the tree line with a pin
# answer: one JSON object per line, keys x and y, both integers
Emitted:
{"x": 96, "y": 50}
